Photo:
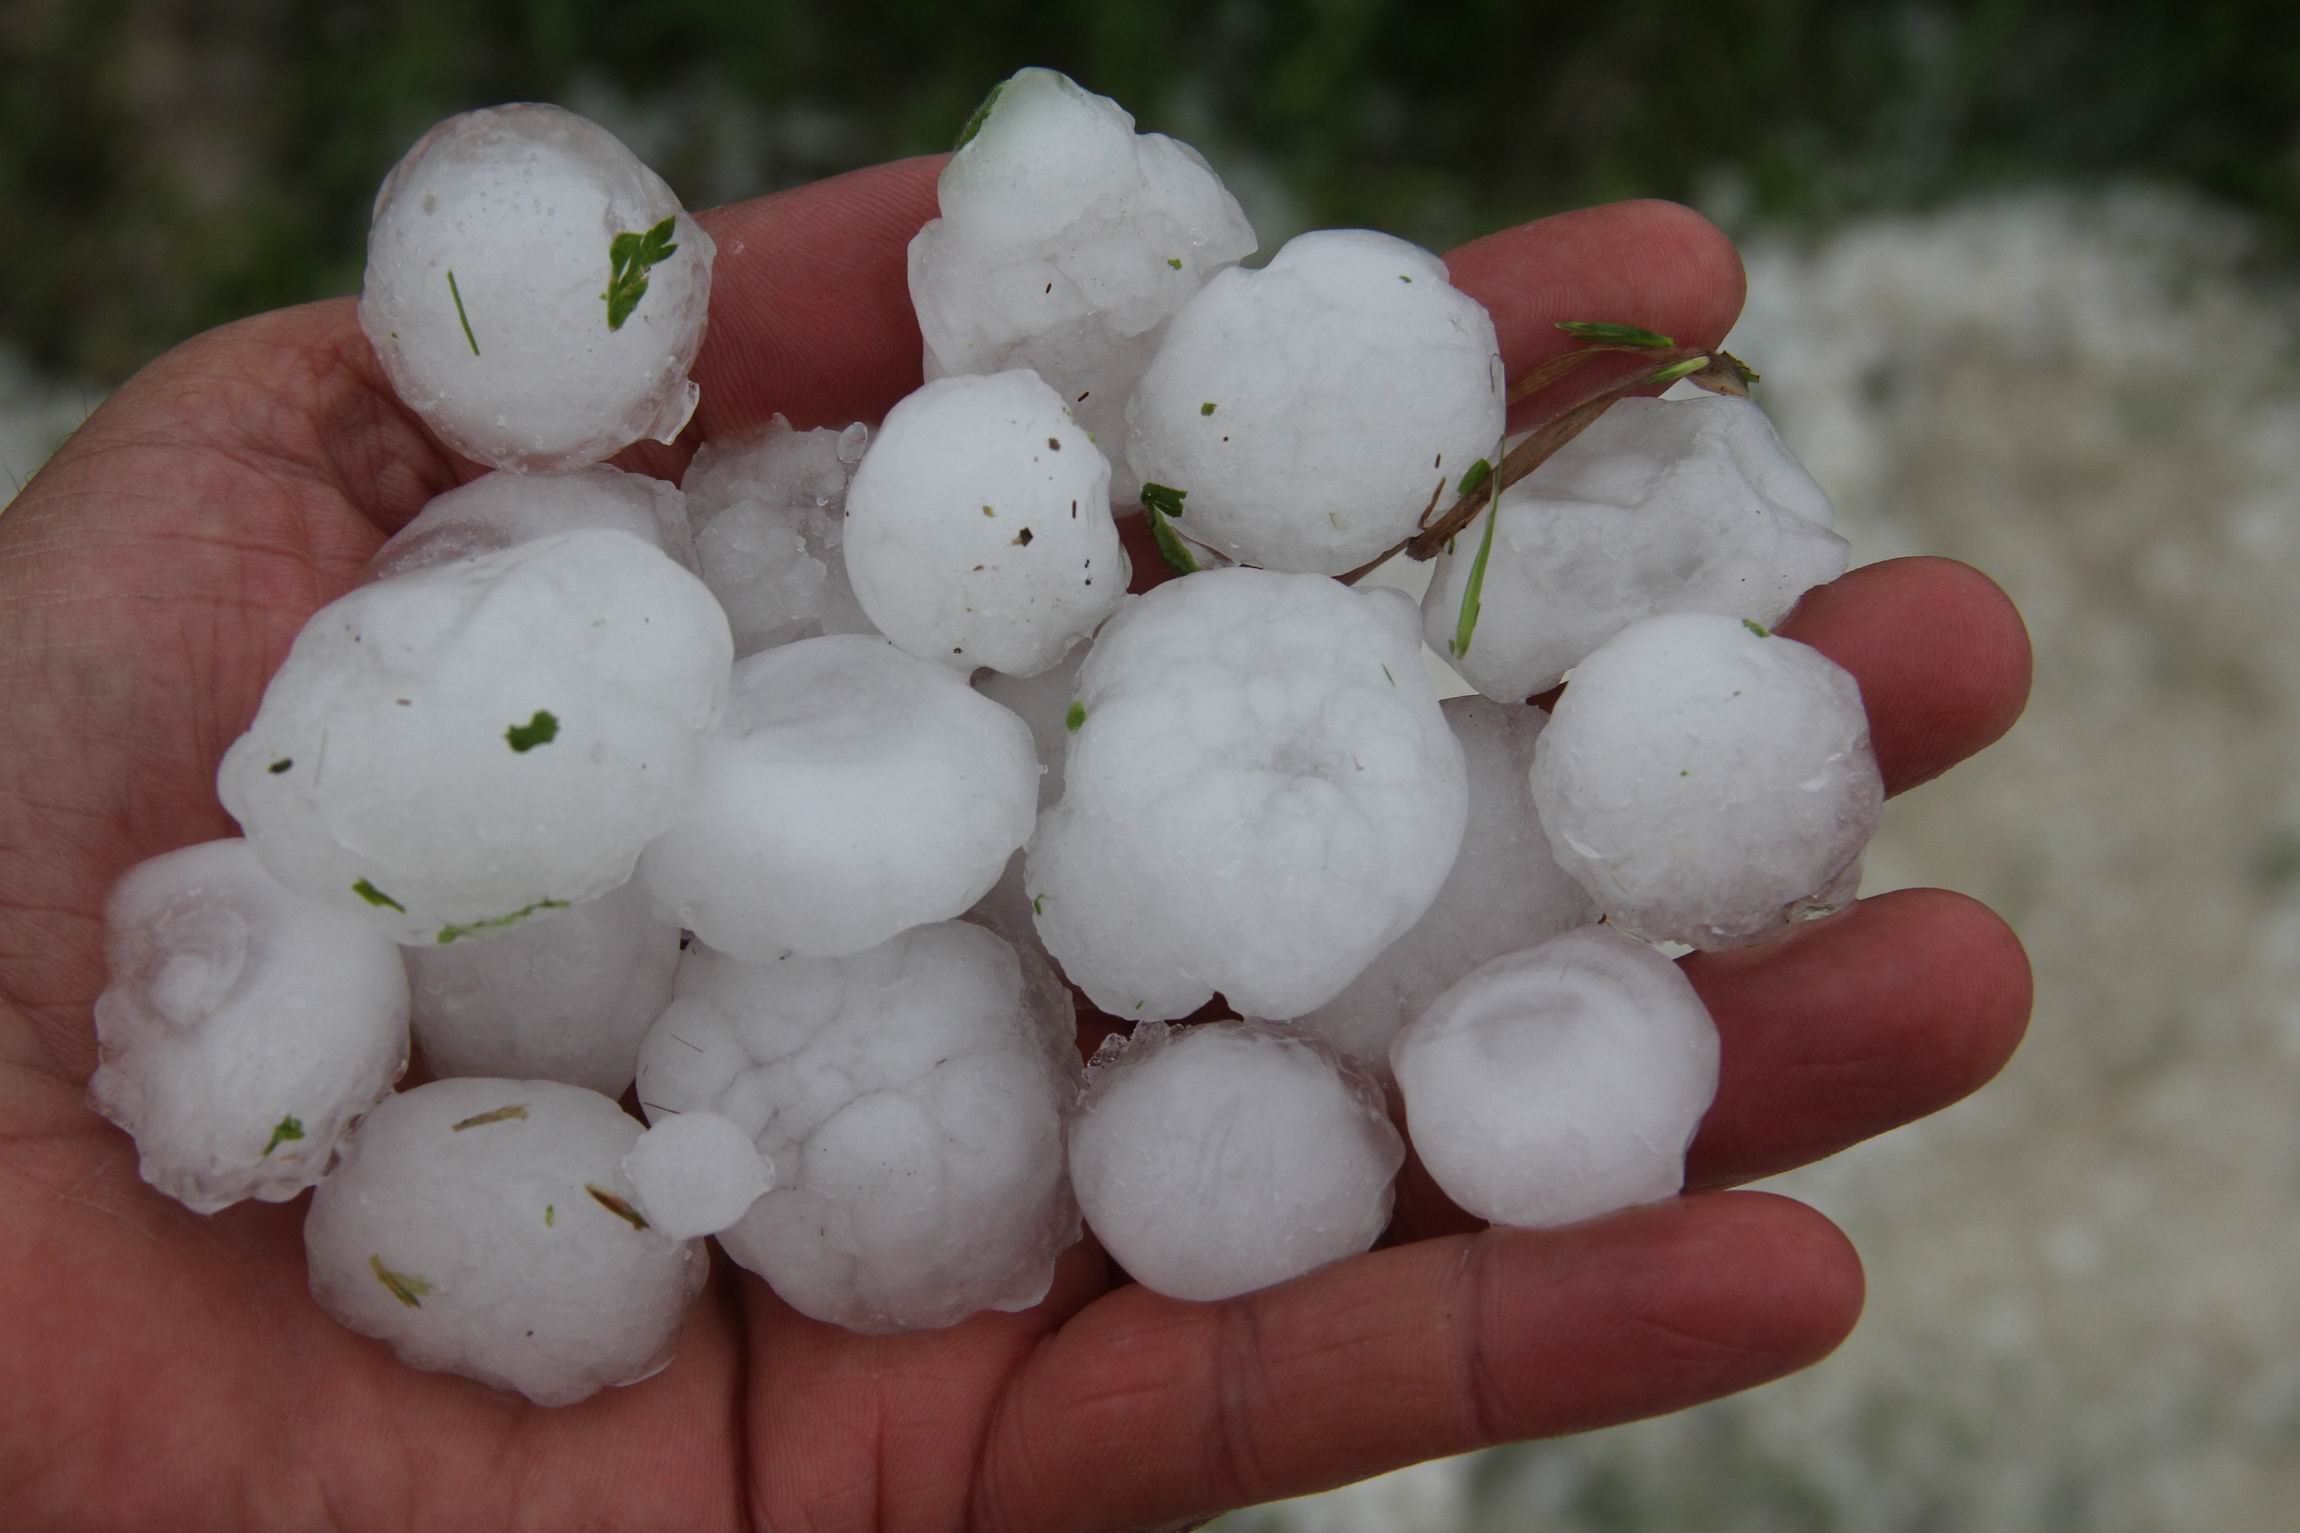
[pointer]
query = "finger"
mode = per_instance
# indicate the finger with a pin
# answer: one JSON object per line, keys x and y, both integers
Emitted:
{"x": 1146, "y": 1410}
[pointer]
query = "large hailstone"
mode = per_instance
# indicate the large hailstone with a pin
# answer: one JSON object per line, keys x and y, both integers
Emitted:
{"x": 566, "y": 995}
{"x": 1065, "y": 243}
{"x": 1559, "y": 1083}
{"x": 1708, "y": 782}
{"x": 455, "y": 749}
{"x": 485, "y": 1228}
{"x": 1505, "y": 891}
{"x": 1309, "y": 410}
{"x": 851, "y": 791}
{"x": 498, "y": 510}
{"x": 535, "y": 293}
{"x": 1661, "y": 505}
{"x": 978, "y": 529}
{"x": 1260, "y": 795}
{"x": 242, "y": 1028}
{"x": 769, "y": 508}
{"x": 1214, "y": 1160}
{"x": 910, "y": 1102}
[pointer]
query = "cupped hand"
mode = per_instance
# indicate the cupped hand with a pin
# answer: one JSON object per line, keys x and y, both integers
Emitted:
{"x": 160, "y": 1369}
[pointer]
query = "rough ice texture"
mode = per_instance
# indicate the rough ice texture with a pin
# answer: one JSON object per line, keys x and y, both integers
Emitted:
{"x": 769, "y": 508}
{"x": 1065, "y": 243}
{"x": 695, "y": 1173}
{"x": 1662, "y": 505}
{"x": 566, "y": 995}
{"x": 385, "y": 772}
{"x": 513, "y": 364}
{"x": 910, "y": 1100}
{"x": 1505, "y": 891}
{"x": 1708, "y": 783}
{"x": 1560, "y": 1083}
{"x": 1214, "y": 1160}
{"x": 496, "y": 511}
{"x": 242, "y": 1027}
{"x": 472, "y": 1226}
{"x": 1309, "y": 409}
{"x": 1261, "y": 796}
{"x": 978, "y": 530}
{"x": 852, "y": 791}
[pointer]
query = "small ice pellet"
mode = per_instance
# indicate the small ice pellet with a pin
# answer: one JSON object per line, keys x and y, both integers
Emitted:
{"x": 1708, "y": 782}
{"x": 1559, "y": 1083}
{"x": 1660, "y": 505}
{"x": 1065, "y": 243}
{"x": 566, "y": 995}
{"x": 695, "y": 1173}
{"x": 1308, "y": 411}
{"x": 1215, "y": 1160}
{"x": 485, "y": 1228}
{"x": 496, "y": 511}
{"x": 456, "y": 749}
{"x": 978, "y": 530}
{"x": 534, "y": 292}
{"x": 1260, "y": 795}
{"x": 769, "y": 509}
{"x": 242, "y": 1027}
{"x": 851, "y": 791}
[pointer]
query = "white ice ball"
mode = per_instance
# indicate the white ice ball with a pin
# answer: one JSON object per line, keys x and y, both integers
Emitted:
{"x": 769, "y": 508}
{"x": 695, "y": 1173}
{"x": 505, "y": 269}
{"x": 1559, "y": 1083}
{"x": 496, "y": 511}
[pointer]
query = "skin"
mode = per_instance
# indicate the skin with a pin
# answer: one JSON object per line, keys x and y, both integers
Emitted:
{"x": 162, "y": 1369}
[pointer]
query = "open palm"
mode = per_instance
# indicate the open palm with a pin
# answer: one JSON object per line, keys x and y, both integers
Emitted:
{"x": 160, "y": 1369}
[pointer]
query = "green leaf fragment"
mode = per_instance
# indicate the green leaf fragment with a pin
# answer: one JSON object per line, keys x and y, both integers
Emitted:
{"x": 1163, "y": 498}
{"x": 454, "y": 933}
{"x": 514, "y": 1111}
{"x": 1175, "y": 262}
{"x": 1466, "y": 624}
{"x": 1672, "y": 372}
{"x": 616, "y": 1206}
{"x": 550, "y": 1214}
{"x": 977, "y": 118}
{"x": 630, "y": 256}
{"x": 1207, "y": 408}
{"x": 1615, "y": 335}
{"x": 280, "y": 765}
{"x": 375, "y": 896}
{"x": 539, "y": 730}
{"x": 1038, "y": 904}
{"x": 456, "y": 293}
{"x": 1075, "y": 719}
{"x": 406, "y": 1287}
{"x": 1756, "y": 628}
{"x": 1386, "y": 672}
{"x": 1473, "y": 479}
{"x": 289, "y": 1127}
{"x": 1171, "y": 548}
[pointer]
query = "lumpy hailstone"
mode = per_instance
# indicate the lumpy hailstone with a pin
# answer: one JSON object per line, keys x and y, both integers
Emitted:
{"x": 1560, "y": 1083}
{"x": 498, "y": 510}
{"x": 1505, "y": 891}
{"x": 1260, "y": 796}
{"x": 565, "y": 995}
{"x": 488, "y": 269}
{"x": 978, "y": 529}
{"x": 484, "y": 1227}
{"x": 851, "y": 791}
{"x": 910, "y": 1101}
{"x": 452, "y": 750}
{"x": 769, "y": 509}
{"x": 1309, "y": 409}
{"x": 1065, "y": 243}
{"x": 242, "y": 1027}
{"x": 1708, "y": 782}
{"x": 1214, "y": 1160}
{"x": 1661, "y": 505}
{"x": 695, "y": 1173}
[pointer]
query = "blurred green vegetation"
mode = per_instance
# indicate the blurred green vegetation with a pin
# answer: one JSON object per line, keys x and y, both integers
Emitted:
{"x": 174, "y": 163}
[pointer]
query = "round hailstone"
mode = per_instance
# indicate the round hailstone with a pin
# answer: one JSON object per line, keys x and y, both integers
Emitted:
{"x": 910, "y": 1101}
{"x": 1260, "y": 795}
{"x": 1662, "y": 505}
{"x": 498, "y": 510}
{"x": 1560, "y": 1083}
{"x": 484, "y": 1228}
{"x": 535, "y": 293}
{"x": 1505, "y": 892}
{"x": 1708, "y": 782}
{"x": 1214, "y": 1160}
{"x": 566, "y": 995}
{"x": 695, "y": 1173}
{"x": 1308, "y": 410}
{"x": 243, "y": 1027}
{"x": 978, "y": 530}
{"x": 769, "y": 508}
{"x": 451, "y": 751}
{"x": 1065, "y": 243}
{"x": 852, "y": 791}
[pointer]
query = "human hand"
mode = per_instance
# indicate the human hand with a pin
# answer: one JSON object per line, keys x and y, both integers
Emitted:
{"x": 161, "y": 1369}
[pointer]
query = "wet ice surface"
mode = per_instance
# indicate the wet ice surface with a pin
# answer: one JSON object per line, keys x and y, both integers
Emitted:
{"x": 1214, "y": 1160}
{"x": 242, "y": 1026}
{"x": 769, "y": 510}
{"x": 910, "y": 1101}
{"x": 498, "y": 510}
{"x": 487, "y": 269}
{"x": 484, "y": 1227}
{"x": 695, "y": 1173}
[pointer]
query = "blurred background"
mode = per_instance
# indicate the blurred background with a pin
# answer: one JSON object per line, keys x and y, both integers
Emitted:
{"x": 2023, "y": 287}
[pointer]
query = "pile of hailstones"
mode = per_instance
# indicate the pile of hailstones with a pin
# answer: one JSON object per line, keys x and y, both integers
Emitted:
{"x": 793, "y": 795}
